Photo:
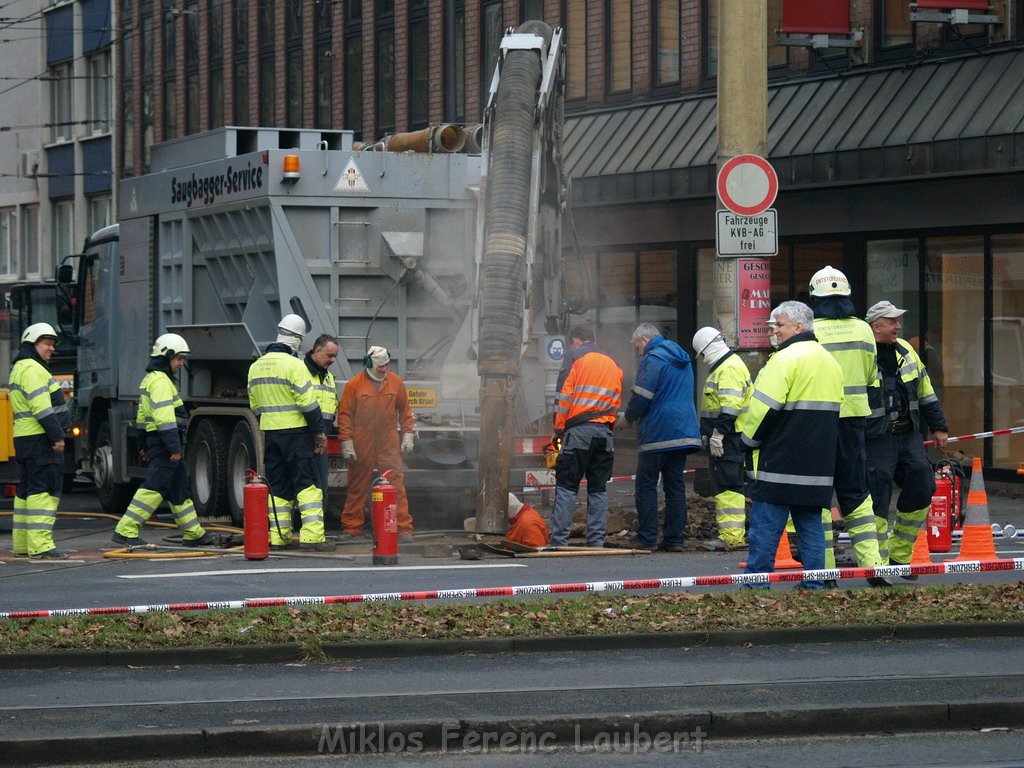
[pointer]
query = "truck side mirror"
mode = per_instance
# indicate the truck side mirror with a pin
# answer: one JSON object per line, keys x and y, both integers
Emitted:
{"x": 65, "y": 274}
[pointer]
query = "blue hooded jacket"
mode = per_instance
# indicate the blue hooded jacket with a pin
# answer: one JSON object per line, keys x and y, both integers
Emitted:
{"x": 662, "y": 400}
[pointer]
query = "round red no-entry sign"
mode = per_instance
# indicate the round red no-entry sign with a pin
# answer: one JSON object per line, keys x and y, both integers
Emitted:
{"x": 747, "y": 185}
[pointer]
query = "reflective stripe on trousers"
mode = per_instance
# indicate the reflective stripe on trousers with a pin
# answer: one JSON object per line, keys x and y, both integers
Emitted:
{"x": 731, "y": 514}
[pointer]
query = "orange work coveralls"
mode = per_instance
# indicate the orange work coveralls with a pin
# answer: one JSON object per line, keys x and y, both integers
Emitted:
{"x": 528, "y": 528}
{"x": 369, "y": 415}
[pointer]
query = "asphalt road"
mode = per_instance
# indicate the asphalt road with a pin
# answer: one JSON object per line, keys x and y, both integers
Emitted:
{"x": 89, "y": 580}
{"x": 656, "y": 703}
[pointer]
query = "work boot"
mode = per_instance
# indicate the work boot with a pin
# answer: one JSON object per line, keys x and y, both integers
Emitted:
{"x": 316, "y": 546}
{"x": 206, "y": 540}
{"x": 405, "y": 538}
{"x": 128, "y": 541}
{"x": 638, "y": 544}
{"x": 878, "y": 581}
{"x": 51, "y": 554}
{"x": 282, "y": 547}
{"x": 666, "y": 547}
{"x": 714, "y": 545}
{"x": 831, "y": 584}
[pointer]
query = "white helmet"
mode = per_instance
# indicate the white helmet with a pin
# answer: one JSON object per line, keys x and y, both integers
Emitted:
{"x": 291, "y": 330}
{"x": 38, "y": 331}
{"x": 169, "y": 345}
{"x": 829, "y": 282}
{"x": 705, "y": 336}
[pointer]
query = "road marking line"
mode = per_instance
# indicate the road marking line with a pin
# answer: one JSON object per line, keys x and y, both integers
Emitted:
{"x": 378, "y": 569}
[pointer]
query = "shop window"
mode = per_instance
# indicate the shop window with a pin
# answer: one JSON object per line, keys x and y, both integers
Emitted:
{"x": 954, "y": 327}
{"x": 576, "y": 46}
{"x": 619, "y": 46}
{"x": 666, "y": 49}
{"x": 1007, "y": 347}
{"x": 892, "y": 274}
{"x": 658, "y": 298}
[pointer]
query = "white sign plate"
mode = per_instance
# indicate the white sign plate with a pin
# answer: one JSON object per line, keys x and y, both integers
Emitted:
{"x": 756, "y": 235}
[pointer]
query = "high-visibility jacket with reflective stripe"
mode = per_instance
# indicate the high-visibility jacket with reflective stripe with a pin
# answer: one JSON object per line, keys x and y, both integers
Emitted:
{"x": 852, "y": 343}
{"x": 594, "y": 385}
{"x": 726, "y": 395}
{"x": 326, "y": 394}
{"x": 917, "y": 384}
{"x": 161, "y": 409}
{"x": 37, "y": 401}
{"x": 793, "y": 423}
{"x": 281, "y": 393}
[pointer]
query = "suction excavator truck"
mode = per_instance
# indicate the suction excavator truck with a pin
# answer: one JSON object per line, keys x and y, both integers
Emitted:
{"x": 448, "y": 259}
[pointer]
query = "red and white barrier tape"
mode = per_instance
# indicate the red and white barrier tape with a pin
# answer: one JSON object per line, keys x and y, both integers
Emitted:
{"x": 736, "y": 579}
{"x": 981, "y": 435}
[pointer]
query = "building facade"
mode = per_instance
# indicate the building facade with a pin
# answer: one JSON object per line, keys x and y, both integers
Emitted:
{"x": 900, "y": 159}
{"x": 56, "y": 185}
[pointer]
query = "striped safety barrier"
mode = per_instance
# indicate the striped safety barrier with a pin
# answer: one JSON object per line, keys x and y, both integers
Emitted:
{"x": 681, "y": 582}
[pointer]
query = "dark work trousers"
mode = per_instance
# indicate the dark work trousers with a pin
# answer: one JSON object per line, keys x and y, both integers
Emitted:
{"x": 168, "y": 478}
{"x": 290, "y": 462}
{"x": 900, "y": 459}
{"x": 670, "y": 466}
{"x": 851, "y": 480}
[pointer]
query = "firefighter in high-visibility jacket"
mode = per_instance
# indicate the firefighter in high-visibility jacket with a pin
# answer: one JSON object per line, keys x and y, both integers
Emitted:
{"x": 281, "y": 393}
{"x": 894, "y": 447}
{"x": 162, "y": 415}
{"x": 589, "y": 397}
{"x": 318, "y": 362}
{"x": 792, "y": 427}
{"x": 40, "y": 420}
{"x": 851, "y": 342}
{"x": 726, "y": 395}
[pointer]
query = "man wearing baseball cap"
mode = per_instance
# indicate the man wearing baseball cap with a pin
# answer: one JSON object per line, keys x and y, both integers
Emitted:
{"x": 893, "y": 439}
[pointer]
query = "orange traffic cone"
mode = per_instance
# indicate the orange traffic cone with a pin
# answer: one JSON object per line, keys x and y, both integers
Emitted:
{"x": 920, "y": 555}
{"x": 977, "y": 542}
{"x": 783, "y": 556}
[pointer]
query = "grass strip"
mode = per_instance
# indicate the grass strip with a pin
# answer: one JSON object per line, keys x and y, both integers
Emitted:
{"x": 596, "y": 614}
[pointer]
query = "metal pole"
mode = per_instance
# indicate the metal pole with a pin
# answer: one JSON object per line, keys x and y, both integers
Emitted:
{"x": 742, "y": 118}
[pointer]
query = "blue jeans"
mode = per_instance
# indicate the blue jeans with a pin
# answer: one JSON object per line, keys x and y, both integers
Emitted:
{"x": 669, "y": 465}
{"x": 768, "y": 525}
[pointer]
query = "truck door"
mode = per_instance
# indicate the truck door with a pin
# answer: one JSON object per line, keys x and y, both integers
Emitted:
{"x": 94, "y": 323}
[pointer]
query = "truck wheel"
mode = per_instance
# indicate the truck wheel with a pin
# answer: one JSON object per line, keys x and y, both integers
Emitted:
{"x": 241, "y": 456}
{"x": 113, "y": 496}
{"x": 207, "y": 452}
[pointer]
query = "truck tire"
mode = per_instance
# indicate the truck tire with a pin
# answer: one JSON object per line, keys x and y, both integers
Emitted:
{"x": 241, "y": 457}
{"x": 207, "y": 453}
{"x": 114, "y": 496}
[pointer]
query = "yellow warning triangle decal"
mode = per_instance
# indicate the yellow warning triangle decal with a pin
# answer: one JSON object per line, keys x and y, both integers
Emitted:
{"x": 351, "y": 179}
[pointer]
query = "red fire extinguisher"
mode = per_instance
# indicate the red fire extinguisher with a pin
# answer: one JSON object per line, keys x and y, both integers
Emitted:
{"x": 939, "y": 521}
{"x": 254, "y": 503}
{"x": 384, "y": 505}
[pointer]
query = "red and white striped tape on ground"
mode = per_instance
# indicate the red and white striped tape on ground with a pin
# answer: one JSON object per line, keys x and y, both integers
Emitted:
{"x": 681, "y": 582}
